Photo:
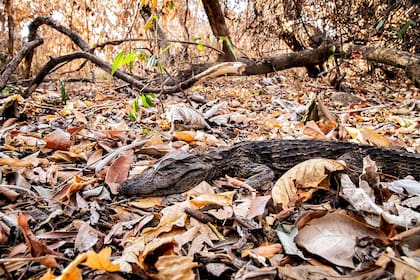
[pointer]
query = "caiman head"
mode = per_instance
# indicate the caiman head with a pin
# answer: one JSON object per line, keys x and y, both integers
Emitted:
{"x": 176, "y": 172}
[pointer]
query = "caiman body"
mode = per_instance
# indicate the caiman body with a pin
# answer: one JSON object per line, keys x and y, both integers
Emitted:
{"x": 259, "y": 161}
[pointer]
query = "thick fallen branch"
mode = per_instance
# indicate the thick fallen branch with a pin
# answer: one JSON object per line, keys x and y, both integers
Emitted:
{"x": 13, "y": 64}
{"x": 286, "y": 61}
{"x": 408, "y": 61}
{"x": 33, "y": 27}
{"x": 217, "y": 70}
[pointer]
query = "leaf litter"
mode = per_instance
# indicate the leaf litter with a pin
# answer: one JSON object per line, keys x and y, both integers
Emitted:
{"x": 62, "y": 165}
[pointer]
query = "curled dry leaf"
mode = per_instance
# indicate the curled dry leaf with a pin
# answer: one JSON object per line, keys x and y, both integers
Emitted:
{"x": 405, "y": 268}
{"x": 298, "y": 184}
{"x": 118, "y": 171}
{"x": 268, "y": 251}
{"x": 36, "y": 247}
{"x": 333, "y": 237}
{"x": 186, "y": 136}
{"x": 185, "y": 115}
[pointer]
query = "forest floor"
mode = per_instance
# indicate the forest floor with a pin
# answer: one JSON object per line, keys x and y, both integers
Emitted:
{"x": 62, "y": 165}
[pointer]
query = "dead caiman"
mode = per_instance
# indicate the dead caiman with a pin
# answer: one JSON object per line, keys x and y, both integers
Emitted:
{"x": 259, "y": 161}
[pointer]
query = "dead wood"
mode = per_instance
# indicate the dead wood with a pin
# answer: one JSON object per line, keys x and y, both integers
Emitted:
{"x": 33, "y": 27}
{"x": 13, "y": 64}
{"x": 408, "y": 61}
{"x": 290, "y": 60}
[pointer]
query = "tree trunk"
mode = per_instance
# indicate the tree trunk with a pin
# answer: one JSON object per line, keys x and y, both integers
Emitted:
{"x": 218, "y": 27}
{"x": 11, "y": 26}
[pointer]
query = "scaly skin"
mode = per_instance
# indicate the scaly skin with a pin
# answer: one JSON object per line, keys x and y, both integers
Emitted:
{"x": 259, "y": 161}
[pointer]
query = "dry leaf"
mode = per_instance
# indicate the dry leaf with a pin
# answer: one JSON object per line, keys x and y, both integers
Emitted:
{"x": 58, "y": 140}
{"x": 268, "y": 251}
{"x": 16, "y": 162}
{"x": 101, "y": 260}
{"x": 333, "y": 237}
{"x": 182, "y": 113}
{"x": 298, "y": 184}
{"x": 77, "y": 184}
{"x": 36, "y": 247}
{"x": 258, "y": 206}
{"x": 187, "y": 136}
{"x": 368, "y": 136}
{"x": 175, "y": 267}
{"x": 118, "y": 171}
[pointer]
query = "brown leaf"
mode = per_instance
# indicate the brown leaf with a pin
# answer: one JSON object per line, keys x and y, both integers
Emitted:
{"x": 368, "y": 136}
{"x": 333, "y": 237}
{"x": 118, "y": 171}
{"x": 16, "y": 162}
{"x": 101, "y": 260}
{"x": 298, "y": 184}
{"x": 187, "y": 136}
{"x": 175, "y": 267}
{"x": 268, "y": 251}
{"x": 8, "y": 193}
{"x": 58, "y": 140}
{"x": 36, "y": 247}
{"x": 258, "y": 206}
{"x": 78, "y": 183}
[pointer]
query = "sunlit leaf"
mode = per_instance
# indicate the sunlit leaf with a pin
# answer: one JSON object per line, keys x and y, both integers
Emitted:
{"x": 117, "y": 62}
{"x": 298, "y": 184}
{"x": 200, "y": 47}
{"x": 130, "y": 58}
{"x": 101, "y": 260}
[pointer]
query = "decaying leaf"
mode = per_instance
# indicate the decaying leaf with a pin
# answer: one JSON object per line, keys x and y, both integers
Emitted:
{"x": 36, "y": 247}
{"x": 298, "y": 184}
{"x": 333, "y": 237}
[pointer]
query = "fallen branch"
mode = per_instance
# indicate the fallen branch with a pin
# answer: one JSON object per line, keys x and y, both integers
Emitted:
{"x": 13, "y": 64}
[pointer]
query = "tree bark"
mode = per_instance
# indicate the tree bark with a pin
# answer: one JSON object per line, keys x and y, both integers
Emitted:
{"x": 11, "y": 26}
{"x": 218, "y": 27}
{"x": 408, "y": 61}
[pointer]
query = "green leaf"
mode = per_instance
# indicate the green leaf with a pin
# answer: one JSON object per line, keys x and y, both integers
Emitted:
{"x": 160, "y": 67}
{"x": 332, "y": 49}
{"x": 150, "y": 23}
{"x": 130, "y": 58}
{"x": 229, "y": 45}
{"x": 147, "y": 101}
{"x": 63, "y": 92}
{"x": 166, "y": 49}
{"x": 200, "y": 47}
{"x": 142, "y": 56}
{"x": 144, "y": 101}
{"x": 117, "y": 62}
{"x": 380, "y": 25}
{"x": 405, "y": 27}
{"x": 132, "y": 115}
{"x": 171, "y": 5}
{"x": 196, "y": 39}
{"x": 136, "y": 106}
